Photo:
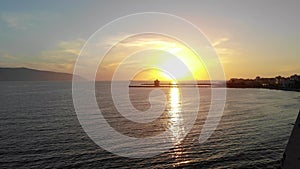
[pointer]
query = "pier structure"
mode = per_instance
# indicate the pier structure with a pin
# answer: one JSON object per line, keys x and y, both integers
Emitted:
{"x": 156, "y": 83}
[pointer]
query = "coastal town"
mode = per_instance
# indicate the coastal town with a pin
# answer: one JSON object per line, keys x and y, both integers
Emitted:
{"x": 281, "y": 83}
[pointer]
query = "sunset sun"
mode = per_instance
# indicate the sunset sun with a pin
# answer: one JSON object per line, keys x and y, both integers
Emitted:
{"x": 169, "y": 59}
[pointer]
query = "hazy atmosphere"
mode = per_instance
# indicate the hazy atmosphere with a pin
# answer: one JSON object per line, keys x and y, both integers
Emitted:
{"x": 150, "y": 84}
{"x": 245, "y": 34}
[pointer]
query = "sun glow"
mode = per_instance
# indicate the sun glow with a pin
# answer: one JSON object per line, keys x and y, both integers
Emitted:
{"x": 173, "y": 82}
{"x": 152, "y": 74}
{"x": 171, "y": 60}
{"x": 183, "y": 64}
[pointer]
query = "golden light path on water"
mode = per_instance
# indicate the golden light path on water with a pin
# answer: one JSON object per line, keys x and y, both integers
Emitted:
{"x": 176, "y": 126}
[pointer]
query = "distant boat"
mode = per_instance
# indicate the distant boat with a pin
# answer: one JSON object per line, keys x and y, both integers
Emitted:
{"x": 291, "y": 156}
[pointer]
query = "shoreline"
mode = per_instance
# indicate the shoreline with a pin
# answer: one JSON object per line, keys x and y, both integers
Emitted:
{"x": 210, "y": 86}
{"x": 269, "y": 88}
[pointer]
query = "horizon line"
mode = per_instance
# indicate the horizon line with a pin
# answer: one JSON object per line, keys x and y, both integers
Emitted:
{"x": 22, "y": 67}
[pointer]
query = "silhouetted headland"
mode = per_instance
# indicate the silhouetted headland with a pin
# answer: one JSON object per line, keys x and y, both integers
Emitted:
{"x": 26, "y": 74}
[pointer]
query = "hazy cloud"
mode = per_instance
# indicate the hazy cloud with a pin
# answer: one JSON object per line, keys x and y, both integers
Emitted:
{"x": 226, "y": 49}
{"x": 25, "y": 20}
{"x": 61, "y": 58}
{"x": 220, "y": 41}
{"x": 7, "y": 57}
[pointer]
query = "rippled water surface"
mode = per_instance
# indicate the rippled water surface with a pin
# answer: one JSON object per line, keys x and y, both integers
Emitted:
{"x": 39, "y": 129}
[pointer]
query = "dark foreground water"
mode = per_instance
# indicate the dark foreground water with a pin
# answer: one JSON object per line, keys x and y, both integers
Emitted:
{"x": 39, "y": 129}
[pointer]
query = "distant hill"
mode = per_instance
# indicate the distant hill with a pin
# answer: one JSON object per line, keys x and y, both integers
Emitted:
{"x": 26, "y": 74}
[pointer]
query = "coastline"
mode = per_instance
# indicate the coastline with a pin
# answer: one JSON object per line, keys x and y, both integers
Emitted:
{"x": 270, "y": 88}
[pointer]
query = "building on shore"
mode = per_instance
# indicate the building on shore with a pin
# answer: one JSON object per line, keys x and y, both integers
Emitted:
{"x": 286, "y": 83}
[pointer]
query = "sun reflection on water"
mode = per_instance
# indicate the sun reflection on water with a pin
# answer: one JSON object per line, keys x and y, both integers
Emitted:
{"x": 176, "y": 126}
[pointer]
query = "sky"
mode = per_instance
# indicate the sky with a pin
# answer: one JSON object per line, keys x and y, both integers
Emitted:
{"x": 252, "y": 38}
